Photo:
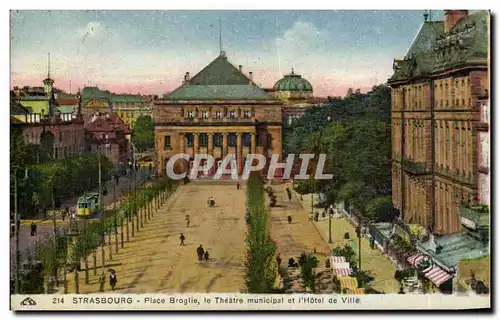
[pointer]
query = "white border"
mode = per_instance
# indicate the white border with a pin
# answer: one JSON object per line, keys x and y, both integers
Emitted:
{"x": 214, "y": 4}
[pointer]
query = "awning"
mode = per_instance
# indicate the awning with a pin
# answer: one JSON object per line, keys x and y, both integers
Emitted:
{"x": 357, "y": 291}
{"x": 337, "y": 259}
{"x": 438, "y": 276}
{"x": 348, "y": 282}
{"x": 342, "y": 272}
{"x": 415, "y": 259}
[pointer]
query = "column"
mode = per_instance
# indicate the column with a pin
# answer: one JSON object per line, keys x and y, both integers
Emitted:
{"x": 253, "y": 143}
{"x": 224, "y": 144}
{"x": 210, "y": 143}
{"x": 196, "y": 143}
{"x": 239, "y": 153}
{"x": 182, "y": 149}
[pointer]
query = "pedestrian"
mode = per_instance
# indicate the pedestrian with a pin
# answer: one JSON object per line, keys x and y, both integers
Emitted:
{"x": 187, "y": 220}
{"x": 238, "y": 186}
{"x": 372, "y": 242}
{"x": 200, "y": 252}
{"x": 289, "y": 219}
{"x": 182, "y": 239}
{"x": 102, "y": 282}
{"x": 36, "y": 227}
{"x": 401, "y": 290}
{"x": 113, "y": 280}
{"x": 206, "y": 256}
{"x": 32, "y": 228}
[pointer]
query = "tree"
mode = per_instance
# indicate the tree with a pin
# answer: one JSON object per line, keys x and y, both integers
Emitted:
{"x": 349, "y": 93}
{"x": 354, "y": 133}
{"x": 260, "y": 263}
{"x": 308, "y": 263}
{"x": 143, "y": 132}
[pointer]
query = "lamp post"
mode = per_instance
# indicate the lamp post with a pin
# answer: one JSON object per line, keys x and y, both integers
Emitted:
{"x": 330, "y": 214}
{"x": 116, "y": 213}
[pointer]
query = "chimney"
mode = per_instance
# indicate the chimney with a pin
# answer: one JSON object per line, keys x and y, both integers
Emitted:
{"x": 240, "y": 67}
{"x": 451, "y": 18}
{"x": 250, "y": 75}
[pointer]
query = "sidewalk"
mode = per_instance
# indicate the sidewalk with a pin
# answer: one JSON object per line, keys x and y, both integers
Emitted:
{"x": 372, "y": 260}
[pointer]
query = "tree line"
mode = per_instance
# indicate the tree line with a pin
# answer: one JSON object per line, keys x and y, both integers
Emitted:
{"x": 40, "y": 185}
{"x": 354, "y": 133}
{"x": 261, "y": 266}
{"x": 73, "y": 246}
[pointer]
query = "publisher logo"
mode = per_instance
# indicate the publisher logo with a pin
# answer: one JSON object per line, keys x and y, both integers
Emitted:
{"x": 28, "y": 302}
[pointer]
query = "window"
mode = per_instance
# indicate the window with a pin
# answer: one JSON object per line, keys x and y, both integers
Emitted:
{"x": 247, "y": 114}
{"x": 231, "y": 140}
{"x": 204, "y": 114}
{"x": 189, "y": 140}
{"x": 190, "y": 114}
{"x": 203, "y": 140}
{"x": 246, "y": 140}
{"x": 219, "y": 114}
{"x": 167, "y": 143}
{"x": 232, "y": 114}
{"x": 218, "y": 140}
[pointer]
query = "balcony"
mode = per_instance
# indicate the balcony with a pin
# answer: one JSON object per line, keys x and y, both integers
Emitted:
{"x": 416, "y": 168}
{"x": 475, "y": 217}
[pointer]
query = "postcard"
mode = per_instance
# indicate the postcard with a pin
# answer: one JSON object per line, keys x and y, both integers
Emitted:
{"x": 250, "y": 160}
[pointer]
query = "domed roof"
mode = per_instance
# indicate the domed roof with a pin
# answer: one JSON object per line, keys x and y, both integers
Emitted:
{"x": 293, "y": 82}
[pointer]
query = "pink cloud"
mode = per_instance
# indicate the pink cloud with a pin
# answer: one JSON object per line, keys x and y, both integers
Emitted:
{"x": 323, "y": 86}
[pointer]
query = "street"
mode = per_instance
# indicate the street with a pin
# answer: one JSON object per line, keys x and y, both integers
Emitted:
{"x": 45, "y": 227}
{"x": 154, "y": 260}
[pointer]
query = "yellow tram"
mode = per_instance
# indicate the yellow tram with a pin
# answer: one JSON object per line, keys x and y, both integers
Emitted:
{"x": 88, "y": 205}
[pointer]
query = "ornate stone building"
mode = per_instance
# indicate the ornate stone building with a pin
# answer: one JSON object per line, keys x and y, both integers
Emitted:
{"x": 219, "y": 111}
{"x": 436, "y": 94}
{"x": 127, "y": 106}
{"x": 108, "y": 134}
{"x": 296, "y": 94}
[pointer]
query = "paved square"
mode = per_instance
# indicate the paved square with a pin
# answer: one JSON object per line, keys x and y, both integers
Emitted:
{"x": 154, "y": 260}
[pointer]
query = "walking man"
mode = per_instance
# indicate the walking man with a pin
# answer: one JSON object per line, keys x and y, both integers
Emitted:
{"x": 187, "y": 220}
{"x": 102, "y": 282}
{"x": 289, "y": 219}
{"x": 206, "y": 256}
{"x": 182, "y": 239}
{"x": 113, "y": 280}
{"x": 200, "y": 252}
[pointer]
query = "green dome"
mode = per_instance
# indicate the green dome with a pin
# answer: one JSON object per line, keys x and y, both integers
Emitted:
{"x": 293, "y": 82}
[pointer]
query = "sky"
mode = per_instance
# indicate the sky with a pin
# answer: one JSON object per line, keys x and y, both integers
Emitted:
{"x": 149, "y": 52}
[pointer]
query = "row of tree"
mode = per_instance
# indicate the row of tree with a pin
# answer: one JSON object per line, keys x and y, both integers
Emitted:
{"x": 354, "y": 133}
{"x": 74, "y": 245}
{"x": 50, "y": 183}
{"x": 261, "y": 267}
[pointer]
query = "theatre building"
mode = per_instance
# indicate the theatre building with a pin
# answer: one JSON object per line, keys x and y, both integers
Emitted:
{"x": 219, "y": 111}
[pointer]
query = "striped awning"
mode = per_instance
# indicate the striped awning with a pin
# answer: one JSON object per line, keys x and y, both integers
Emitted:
{"x": 342, "y": 272}
{"x": 438, "y": 276}
{"x": 357, "y": 291}
{"x": 348, "y": 282}
{"x": 415, "y": 259}
{"x": 337, "y": 259}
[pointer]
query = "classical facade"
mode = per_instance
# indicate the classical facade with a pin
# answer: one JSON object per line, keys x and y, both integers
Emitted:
{"x": 127, "y": 106}
{"x": 219, "y": 111}
{"x": 436, "y": 110}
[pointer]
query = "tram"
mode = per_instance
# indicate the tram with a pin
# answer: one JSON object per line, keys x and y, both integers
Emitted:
{"x": 88, "y": 205}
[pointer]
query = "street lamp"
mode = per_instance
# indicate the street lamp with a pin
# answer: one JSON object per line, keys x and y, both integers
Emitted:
{"x": 330, "y": 214}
